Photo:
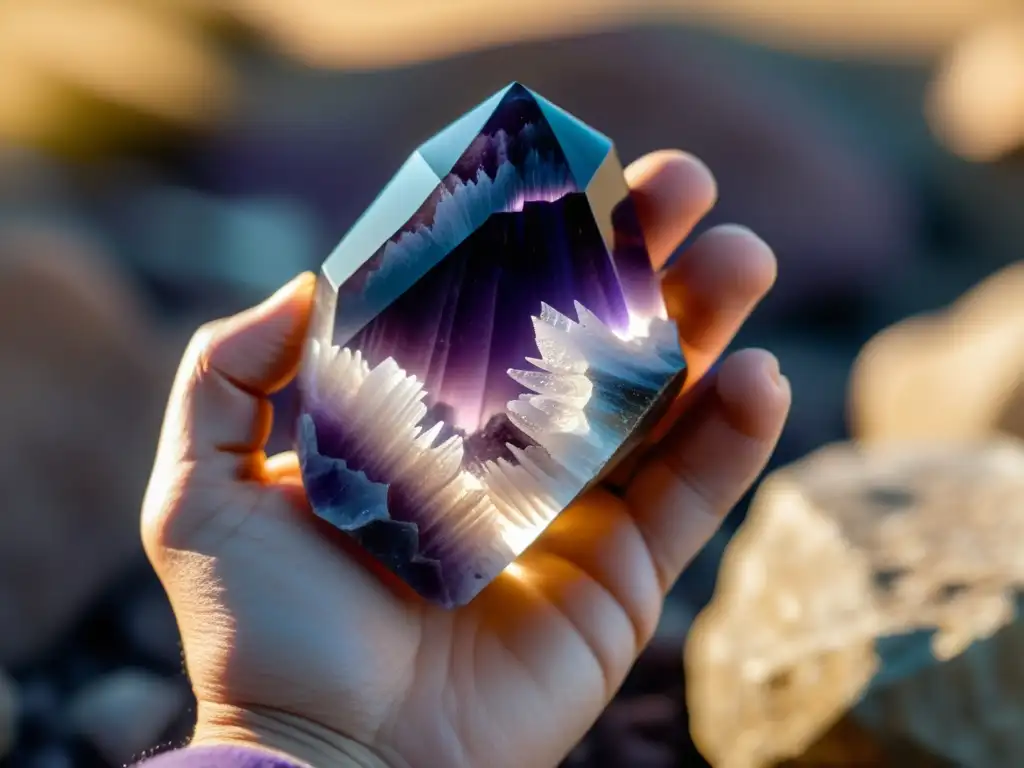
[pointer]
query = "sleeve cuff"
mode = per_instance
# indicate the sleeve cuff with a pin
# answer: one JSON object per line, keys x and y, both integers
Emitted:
{"x": 217, "y": 757}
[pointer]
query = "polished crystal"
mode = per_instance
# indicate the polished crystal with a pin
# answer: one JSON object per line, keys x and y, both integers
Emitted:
{"x": 487, "y": 341}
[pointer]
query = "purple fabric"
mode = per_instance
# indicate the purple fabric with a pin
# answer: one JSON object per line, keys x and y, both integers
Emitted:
{"x": 216, "y": 757}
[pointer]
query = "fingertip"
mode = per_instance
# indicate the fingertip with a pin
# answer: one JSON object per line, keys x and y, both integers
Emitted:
{"x": 673, "y": 190}
{"x": 261, "y": 347}
{"x": 760, "y": 267}
{"x": 714, "y": 286}
{"x": 754, "y": 393}
{"x": 674, "y": 167}
{"x": 702, "y": 468}
{"x": 295, "y": 295}
{"x": 729, "y": 264}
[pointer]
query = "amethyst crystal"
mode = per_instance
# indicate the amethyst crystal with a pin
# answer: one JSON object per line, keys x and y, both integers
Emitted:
{"x": 487, "y": 341}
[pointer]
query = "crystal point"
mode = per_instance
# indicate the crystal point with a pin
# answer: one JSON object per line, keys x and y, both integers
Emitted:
{"x": 487, "y": 342}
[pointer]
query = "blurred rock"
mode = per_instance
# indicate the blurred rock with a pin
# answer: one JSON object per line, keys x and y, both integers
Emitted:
{"x": 955, "y": 374}
{"x": 842, "y": 554}
{"x": 126, "y": 712}
{"x": 151, "y": 628}
{"x": 40, "y": 708}
{"x": 332, "y": 33}
{"x": 78, "y": 78}
{"x": 9, "y": 711}
{"x": 30, "y": 180}
{"x": 50, "y": 756}
{"x": 81, "y": 400}
{"x": 193, "y": 242}
{"x": 976, "y": 104}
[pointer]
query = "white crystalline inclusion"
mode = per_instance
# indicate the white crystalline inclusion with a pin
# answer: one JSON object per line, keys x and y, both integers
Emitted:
{"x": 384, "y": 410}
{"x": 508, "y": 503}
{"x": 574, "y": 446}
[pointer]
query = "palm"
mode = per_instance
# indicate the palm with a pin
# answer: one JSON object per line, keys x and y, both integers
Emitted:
{"x": 277, "y": 613}
{"x": 538, "y": 655}
{"x": 546, "y": 640}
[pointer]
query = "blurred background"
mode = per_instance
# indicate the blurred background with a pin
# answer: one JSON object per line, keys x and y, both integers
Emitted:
{"x": 165, "y": 162}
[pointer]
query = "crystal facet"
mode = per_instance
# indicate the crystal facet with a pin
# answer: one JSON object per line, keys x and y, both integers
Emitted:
{"x": 487, "y": 341}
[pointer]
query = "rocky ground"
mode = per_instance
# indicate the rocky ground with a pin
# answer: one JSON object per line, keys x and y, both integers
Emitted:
{"x": 112, "y": 688}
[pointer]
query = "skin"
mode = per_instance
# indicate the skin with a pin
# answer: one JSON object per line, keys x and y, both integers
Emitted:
{"x": 295, "y": 643}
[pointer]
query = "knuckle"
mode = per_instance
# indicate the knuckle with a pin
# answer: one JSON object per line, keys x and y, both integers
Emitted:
{"x": 161, "y": 509}
{"x": 204, "y": 338}
{"x": 170, "y": 515}
{"x": 202, "y": 348}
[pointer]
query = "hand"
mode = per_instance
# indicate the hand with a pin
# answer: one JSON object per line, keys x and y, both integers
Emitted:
{"x": 291, "y": 643}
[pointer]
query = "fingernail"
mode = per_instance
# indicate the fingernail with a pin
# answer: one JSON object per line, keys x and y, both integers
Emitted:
{"x": 305, "y": 278}
{"x": 736, "y": 230}
{"x": 291, "y": 286}
{"x": 771, "y": 368}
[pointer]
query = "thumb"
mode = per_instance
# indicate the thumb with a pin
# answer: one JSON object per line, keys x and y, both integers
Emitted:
{"x": 218, "y": 412}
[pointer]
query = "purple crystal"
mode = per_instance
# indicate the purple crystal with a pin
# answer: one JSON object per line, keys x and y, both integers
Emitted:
{"x": 487, "y": 341}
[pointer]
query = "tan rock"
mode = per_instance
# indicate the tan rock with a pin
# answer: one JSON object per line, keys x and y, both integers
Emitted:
{"x": 126, "y": 713}
{"x": 952, "y": 375}
{"x": 976, "y": 103}
{"x": 8, "y": 713}
{"x": 69, "y": 86}
{"x": 845, "y": 547}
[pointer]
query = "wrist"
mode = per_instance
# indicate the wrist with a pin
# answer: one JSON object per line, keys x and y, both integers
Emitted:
{"x": 290, "y": 736}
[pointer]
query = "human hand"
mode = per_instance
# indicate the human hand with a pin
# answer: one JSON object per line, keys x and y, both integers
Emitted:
{"x": 294, "y": 644}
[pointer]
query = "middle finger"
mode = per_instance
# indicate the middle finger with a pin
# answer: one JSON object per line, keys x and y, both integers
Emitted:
{"x": 711, "y": 290}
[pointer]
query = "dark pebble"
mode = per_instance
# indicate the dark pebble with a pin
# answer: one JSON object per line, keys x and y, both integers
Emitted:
{"x": 40, "y": 716}
{"x": 49, "y": 756}
{"x": 150, "y": 628}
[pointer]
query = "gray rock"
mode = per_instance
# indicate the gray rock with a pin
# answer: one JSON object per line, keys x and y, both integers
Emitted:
{"x": 50, "y": 756}
{"x": 151, "y": 628}
{"x": 126, "y": 712}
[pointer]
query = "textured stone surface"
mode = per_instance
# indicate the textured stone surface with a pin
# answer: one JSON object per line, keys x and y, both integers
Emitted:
{"x": 956, "y": 374}
{"x": 854, "y": 562}
{"x": 487, "y": 339}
